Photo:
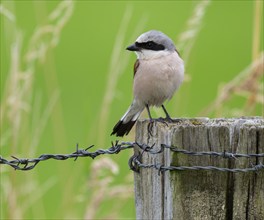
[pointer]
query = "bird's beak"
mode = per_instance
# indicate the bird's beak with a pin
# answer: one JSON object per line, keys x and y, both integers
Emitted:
{"x": 133, "y": 47}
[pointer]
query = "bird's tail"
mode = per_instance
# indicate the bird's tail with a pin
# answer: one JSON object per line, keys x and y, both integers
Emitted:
{"x": 125, "y": 124}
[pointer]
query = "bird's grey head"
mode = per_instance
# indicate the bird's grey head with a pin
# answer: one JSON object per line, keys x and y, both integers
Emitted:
{"x": 152, "y": 44}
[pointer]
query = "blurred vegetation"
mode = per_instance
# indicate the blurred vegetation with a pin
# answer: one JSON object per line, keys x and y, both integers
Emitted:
{"x": 66, "y": 78}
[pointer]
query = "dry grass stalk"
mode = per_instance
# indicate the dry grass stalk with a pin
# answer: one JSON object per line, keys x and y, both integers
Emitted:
{"x": 102, "y": 190}
{"x": 243, "y": 83}
{"x": 188, "y": 36}
{"x": 118, "y": 64}
{"x": 47, "y": 36}
{"x": 253, "y": 82}
{"x": 7, "y": 13}
{"x": 18, "y": 94}
{"x": 248, "y": 83}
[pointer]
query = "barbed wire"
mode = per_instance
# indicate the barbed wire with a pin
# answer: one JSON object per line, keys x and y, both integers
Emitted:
{"x": 211, "y": 153}
{"x": 136, "y": 164}
{"x": 135, "y": 161}
{"x": 18, "y": 163}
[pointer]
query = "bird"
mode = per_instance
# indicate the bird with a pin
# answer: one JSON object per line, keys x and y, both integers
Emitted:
{"x": 158, "y": 73}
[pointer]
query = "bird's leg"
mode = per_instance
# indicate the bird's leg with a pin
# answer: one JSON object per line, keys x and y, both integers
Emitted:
{"x": 166, "y": 113}
{"x": 164, "y": 120}
{"x": 168, "y": 118}
{"x": 147, "y": 106}
{"x": 151, "y": 121}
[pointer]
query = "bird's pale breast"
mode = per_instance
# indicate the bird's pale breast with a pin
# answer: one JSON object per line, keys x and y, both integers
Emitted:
{"x": 156, "y": 80}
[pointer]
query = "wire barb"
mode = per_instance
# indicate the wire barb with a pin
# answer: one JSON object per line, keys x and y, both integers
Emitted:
{"x": 135, "y": 161}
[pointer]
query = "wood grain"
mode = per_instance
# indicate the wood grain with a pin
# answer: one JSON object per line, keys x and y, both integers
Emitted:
{"x": 201, "y": 194}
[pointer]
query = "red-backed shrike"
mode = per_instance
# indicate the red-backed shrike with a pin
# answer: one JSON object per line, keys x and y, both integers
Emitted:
{"x": 158, "y": 73}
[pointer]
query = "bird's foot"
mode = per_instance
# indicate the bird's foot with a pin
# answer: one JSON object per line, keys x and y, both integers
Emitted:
{"x": 168, "y": 120}
{"x": 162, "y": 120}
{"x": 165, "y": 121}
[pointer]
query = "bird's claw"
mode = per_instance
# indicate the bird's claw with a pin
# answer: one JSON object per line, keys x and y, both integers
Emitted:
{"x": 167, "y": 120}
{"x": 162, "y": 120}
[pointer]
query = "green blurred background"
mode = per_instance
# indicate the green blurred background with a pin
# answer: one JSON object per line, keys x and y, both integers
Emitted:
{"x": 66, "y": 78}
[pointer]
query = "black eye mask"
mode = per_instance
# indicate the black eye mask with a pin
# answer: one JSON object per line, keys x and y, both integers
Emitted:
{"x": 150, "y": 45}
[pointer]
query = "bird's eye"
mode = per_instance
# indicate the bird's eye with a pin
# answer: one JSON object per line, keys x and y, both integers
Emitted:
{"x": 150, "y": 44}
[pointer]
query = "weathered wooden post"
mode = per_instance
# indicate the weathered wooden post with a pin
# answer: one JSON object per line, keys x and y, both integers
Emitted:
{"x": 201, "y": 194}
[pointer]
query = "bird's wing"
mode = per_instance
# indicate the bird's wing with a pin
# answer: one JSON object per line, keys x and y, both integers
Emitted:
{"x": 136, "y": 65}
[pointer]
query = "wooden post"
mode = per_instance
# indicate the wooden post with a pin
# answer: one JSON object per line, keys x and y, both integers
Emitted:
{"x": 187, "y": 195}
